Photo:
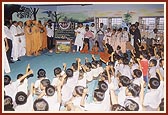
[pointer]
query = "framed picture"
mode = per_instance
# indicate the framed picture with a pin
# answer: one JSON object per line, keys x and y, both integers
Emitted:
{"x": 63, "y": 46}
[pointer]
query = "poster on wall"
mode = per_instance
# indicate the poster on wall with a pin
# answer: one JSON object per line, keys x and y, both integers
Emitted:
{"x": 65, "y": 30}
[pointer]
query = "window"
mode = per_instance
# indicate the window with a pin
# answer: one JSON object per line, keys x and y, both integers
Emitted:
{"x": 116, "y": 22}
{"x": 149, "y": 23}
{"x": 160, "y": 25}
{"x": 104, "y": 21}
{"x": 112, "y": 22}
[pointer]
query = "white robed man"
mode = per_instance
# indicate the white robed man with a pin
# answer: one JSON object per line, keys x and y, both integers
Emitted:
{"x": 15, "y": 41}
{"x": 80, "y": 31}
{"x": 22, "y": 44}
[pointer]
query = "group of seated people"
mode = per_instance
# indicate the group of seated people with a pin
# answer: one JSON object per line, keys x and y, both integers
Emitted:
{"x": 120, "y": 82}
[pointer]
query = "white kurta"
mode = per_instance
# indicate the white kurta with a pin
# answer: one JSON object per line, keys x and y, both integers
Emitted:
{"x": 22, "y": 44}
{"x": 6, "y": 63}
{"x": 15, "y": 41}
{"x": 80, "y": 36}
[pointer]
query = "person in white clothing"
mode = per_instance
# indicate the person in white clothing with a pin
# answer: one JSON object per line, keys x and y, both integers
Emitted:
{"x": 24, "y": 102}
{"x": 15, "y": 35}
{"x": 50, "y": 35}
{"x": 52, "y": 97}
{"x": 5, "y": 49}
{"x": 41, "y": 75}
{"x": 107, "y": 37}
{"x": 97, "y": 104}
{"x": 58, "y": 76}
{"x": 79, "y": 37}
{"x": 11, "y": 88}
{"x": 9, "y": 37}
{"x": 22, "y": 44}
{"x": 152, "y": 68}
{"x": 153, "y": 97}
{"x": 124, "y": 81}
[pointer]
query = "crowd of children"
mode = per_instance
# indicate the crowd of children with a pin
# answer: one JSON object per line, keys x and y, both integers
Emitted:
{"x": 114, "y": 82}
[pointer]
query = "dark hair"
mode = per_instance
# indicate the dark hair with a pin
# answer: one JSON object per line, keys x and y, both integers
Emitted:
{"x": 144, "y": 54}
{"x": 134, "y": 89}
{"x": 111, "y": 63}
{"x": 102, "y": 86}
{"x": 87, "y": 28}
{"x": 94, "y": 63}
{"x": 57, "y": 71}
{"x": 40, "y": 105}
{"x": 110, "y": 48}
{"x": 21, "y": 98}
{"x": 41, "y": 73}
{"x": 153, "y": 61}
{"x": 118, "y": 107}
{"x": 79, "y": 90}
{"x": 118, "y": 47}
{"x": 50, "y": 90}
{"x": 7, "y": 23}
{"x": 8, "y": 102}
{"x": 14, "y": 22}
{"x": 125, "y": 28}
{"x": 45, "y": 82}
{"x": 120, "y": 29}
{"x": 131, "y": 105}
{"x": 99, "y": 62}
{"x": 75, "y": 66}
{"x": 160, "y": 61}
{"x": 88, "y": 64}
{"x": 125, "y": 61}
{"x": 99, "y": 95}
{"x": 7, "y": 80}
{"x": 96, "y": 42}
{"x": 124, "y": 80}
{"x": 19, "y": 76}
{"x": 137, "y": 73}
{"x": 161, "y": 105}
{"x": 69, "y": 72}
{"x": 154, "y": 83}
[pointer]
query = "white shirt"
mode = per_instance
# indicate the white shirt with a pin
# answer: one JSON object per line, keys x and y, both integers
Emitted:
{"x": 121, "y": 96}
{"x": 95, "y": 106}
{"x": 8, "y": 33}
{"x": 82, "y": 82}
{"x": 24, "y": 86}
{"x": 95, "y": 72}
{"x": 126, "y": 71}
{"x": 72, "y": 82}
{"x": 66, "y": 92}
{"x": 125, "y": 37}
{"x": 50, "y": 31}
{"x": 134, "y": 66}
{"x": 154, "y": 96}
{"x": 106, "y": 100}
{"x": 152, "y": 72}
{"x": 89, "y": 75}
{"x": 13, "y": 30}
{"x": 93, "y": 30}
{"x": 52, "y": 102}
{"x": 28, "y": 106}
{"x": 100, "y": 70}
{"x": 11, "y": 89}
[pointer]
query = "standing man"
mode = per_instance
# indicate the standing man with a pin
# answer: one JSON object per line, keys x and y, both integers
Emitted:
{"x": 15, "y": 41}
{"x": 22, "y": 44}
{"x": 9, "y": 40}
{"x": 93, "y": 30}
{"x": 50, "y": 35}
{"x": 134, "y": 30}
{"x": 80, "y": 31}
{"x": 100, "y": 33}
